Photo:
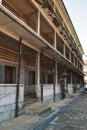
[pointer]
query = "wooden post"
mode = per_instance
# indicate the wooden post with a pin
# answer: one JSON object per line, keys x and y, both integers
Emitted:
{"x": 18, "y": 77}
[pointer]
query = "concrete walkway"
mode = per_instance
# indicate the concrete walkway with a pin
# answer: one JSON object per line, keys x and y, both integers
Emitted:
{"x": 74, "y": 118}
{"x": 37, "y": 115}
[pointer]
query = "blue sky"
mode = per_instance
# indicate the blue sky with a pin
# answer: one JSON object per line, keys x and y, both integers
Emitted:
{"x": 77, "y": 10}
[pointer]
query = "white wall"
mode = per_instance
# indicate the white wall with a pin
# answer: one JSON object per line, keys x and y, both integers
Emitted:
{"x": 49, "y": 88}
{"x": 70, "y": 89}
{"x": 8, "y": 94}
{"x": 7, "y": 100}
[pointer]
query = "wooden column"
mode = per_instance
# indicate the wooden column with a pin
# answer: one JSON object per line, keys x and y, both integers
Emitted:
{"x": 18, "y": 77}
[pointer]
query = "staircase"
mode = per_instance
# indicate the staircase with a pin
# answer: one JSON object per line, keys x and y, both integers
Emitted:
{"x": 36, "y": 108}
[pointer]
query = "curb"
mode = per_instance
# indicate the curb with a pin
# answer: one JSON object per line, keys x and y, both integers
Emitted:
{"x": 42, "y": 125}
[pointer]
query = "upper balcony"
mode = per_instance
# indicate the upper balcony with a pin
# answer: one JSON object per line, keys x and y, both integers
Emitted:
{"x": 24, "y": 10}
{"x": 28, "y": 14}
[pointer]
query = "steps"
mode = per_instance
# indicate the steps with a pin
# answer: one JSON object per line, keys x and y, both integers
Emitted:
{"x": 37, "y": 108}
{"x": 42, "y": 109}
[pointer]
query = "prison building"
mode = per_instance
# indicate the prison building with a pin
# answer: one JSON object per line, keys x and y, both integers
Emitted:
{"x": 85, "y": 72}
{"x": 40, "y": 54}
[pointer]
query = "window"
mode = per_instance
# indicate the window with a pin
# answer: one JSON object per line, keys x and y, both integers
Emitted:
{"x": 10, "y": 73}
{"x": 7, "y": 74}
{"x": 2, "y": 68}
{"x": 29, "y": 77}
{"x": 68, "y": 76}
{"x": 48, "y": 78}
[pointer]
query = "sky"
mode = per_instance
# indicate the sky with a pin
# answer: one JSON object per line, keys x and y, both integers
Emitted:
{"x": 77, "y": 10}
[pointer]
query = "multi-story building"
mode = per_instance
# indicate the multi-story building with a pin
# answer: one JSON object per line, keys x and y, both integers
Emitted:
{"x": 40, "y": 53}
{"x": 85, "y": 72}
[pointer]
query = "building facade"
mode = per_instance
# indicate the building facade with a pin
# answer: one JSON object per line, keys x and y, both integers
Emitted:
{"x": 85, "y": 72}
{"x": 40, "y": 53}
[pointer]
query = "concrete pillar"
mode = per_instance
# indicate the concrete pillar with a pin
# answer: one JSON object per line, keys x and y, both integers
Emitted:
{"x": 0, "y": 2}
{"x": 63, "y": 24}
{"x": 71, "y": 84}
{"x": 65, "y": 80}
{"x": 37, "y": 76}
{"x": 75, "y": 83}
{"x": 54, "y": 8}
{"x": 58, "y": 79}
{"x": 64, "y": 50}
{"x": 70, "y": 55}
{"x": 71, "y": 78}
{"x": 74, "y": 59}
{"x": 77, "y": 62}
{"x": 38, "y": 23}
{"x": 54, "y": 40}
{"x": 38, "y": 69}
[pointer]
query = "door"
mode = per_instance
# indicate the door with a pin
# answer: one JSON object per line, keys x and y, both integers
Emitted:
{"x": 9, "y": 74}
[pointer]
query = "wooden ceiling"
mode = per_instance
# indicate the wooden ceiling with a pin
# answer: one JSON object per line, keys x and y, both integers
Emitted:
{"x": 22, "y": 7}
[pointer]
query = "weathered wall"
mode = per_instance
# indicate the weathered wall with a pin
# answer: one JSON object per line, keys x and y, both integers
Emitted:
{"x": 7, "y": 100}
{"x": 70, "y": 89}
{"x": 48, "y": 92}
{"x": 29, "y": 90}
{"x": 8, "y": 55}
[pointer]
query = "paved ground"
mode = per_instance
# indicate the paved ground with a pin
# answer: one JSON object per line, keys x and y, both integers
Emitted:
{"x": 75, "y": 118}
{"x": 31, "y": 119}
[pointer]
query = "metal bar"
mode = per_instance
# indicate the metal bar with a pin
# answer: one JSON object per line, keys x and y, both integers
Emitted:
{"x": 41, "y": 92}
{"x": 18, "y": 77}
{"x": 41, "y": 76}
{"x": 54, "y": 79}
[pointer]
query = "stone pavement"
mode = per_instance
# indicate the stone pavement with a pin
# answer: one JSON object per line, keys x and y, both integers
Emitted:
{"x": 31, "y": 118}
{"x": 74, "y": 118}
